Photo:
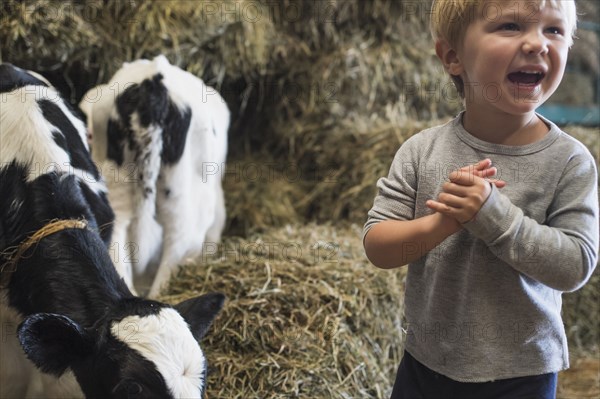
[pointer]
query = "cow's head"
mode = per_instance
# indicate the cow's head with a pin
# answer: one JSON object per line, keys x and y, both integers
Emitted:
{"x": 146, "y": 349}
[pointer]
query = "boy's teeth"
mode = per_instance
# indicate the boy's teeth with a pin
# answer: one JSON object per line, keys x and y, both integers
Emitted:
{"x": 525, "y": 77}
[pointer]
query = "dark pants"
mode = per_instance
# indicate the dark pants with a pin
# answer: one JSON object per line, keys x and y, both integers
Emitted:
{"x": 415, "y": 381}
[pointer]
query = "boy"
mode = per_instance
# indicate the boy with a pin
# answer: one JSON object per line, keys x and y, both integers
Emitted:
{"x": 489, "y": 259}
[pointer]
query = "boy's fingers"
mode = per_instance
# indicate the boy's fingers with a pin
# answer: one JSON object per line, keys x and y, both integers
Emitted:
{"x": 437, "y": 206}
{"x": 452, "y": 200}
{"x": 463, "y": 178}
{"x": 488, "y": 172}
{"x": 497, "y": 183}
{"x": 467, "y": 179}
{"x": 492, "y": 171}
{"x": 483, "y": 164}
{"x": 451, "y": 188}
{"x": 479, "y": 166}
{"x": 482, "y": 169}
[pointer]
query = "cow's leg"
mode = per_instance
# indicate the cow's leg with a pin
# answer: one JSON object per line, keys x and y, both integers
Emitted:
{"x": 179, "y": 242}
{"x": 185, "y": 215}
{"x": 216, "y": 229}
{"x": 173, "y": 256}
{"x": 122, "y": 252}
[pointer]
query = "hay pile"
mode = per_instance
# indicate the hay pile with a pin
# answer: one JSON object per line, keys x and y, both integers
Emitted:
{"x": 323, "y": 87}
{"x": 300, "y": 76}
{"x": 306, "y": 317}
{"x": 581, "y": 309}
{"x": 581, "y": 381}
{"x": 78, "y": 44}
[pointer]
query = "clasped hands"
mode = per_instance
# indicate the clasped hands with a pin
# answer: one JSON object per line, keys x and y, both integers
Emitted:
{"x": 469, "y": 187}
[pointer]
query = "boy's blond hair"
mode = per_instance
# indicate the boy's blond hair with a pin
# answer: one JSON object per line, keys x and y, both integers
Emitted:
{"x": 450, "y": 19}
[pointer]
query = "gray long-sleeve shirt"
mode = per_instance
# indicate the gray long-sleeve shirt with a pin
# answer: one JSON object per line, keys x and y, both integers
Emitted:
{"x": 485, "y": 304}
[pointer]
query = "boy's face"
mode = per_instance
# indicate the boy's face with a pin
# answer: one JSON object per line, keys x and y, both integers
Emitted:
{"x": 513, "y": 56}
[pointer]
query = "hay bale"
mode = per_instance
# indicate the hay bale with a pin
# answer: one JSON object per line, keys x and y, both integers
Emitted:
{"x": 306, "y": 315}
{"x": 581, "y": 309}
{"x": 581, "y": 315}
{"x": 581, "y": 381}
{"x": 589, "y": 136}
{"x": 262, "y": 192}
{"x": 300, "y": 76}
{"x": 322, "y": 180}
{"x": 585, "y": 51}
{"x": 78, "y": 44}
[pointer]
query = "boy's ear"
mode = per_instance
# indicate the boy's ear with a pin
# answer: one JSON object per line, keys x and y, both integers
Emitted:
{"x": 449, "y": 57}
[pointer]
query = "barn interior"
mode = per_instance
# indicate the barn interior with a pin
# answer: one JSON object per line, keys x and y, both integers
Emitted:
{"x": 322, "y": 93}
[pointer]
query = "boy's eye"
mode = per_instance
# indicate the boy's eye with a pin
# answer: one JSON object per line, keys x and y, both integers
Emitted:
{"x": 509, "y": 26}
{"x": 555, "y": 30}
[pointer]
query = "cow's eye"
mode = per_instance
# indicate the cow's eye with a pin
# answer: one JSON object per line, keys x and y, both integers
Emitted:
{"x": 133, "y": 388}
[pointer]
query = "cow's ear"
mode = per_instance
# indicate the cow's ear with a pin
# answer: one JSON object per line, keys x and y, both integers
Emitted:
{"x": 199, "y": 312}
{"x": 54, "y": 342}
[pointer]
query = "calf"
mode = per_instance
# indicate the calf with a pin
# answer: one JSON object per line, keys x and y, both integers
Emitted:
{"x": 165, "y": 133}
{"x": 57, "y": 277}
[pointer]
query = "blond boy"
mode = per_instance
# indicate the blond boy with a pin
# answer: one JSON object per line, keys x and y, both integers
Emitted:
{"x": 489, "y": 258}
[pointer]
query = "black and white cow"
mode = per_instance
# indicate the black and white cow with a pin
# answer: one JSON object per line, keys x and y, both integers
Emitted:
{"x": 57, "y": 278}
{"x": 164, "y": 132}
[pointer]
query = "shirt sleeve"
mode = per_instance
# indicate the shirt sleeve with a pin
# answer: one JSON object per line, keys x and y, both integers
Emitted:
{"x": 563, "y": 251}
{"x": 396, "y": 192}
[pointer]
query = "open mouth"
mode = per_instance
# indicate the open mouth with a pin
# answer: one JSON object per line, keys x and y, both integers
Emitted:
{"x": 526, "y": 78}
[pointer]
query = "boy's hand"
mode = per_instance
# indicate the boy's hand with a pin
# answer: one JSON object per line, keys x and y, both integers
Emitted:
{"x": 466, "y": 192}
{"x": 483, "y": 169}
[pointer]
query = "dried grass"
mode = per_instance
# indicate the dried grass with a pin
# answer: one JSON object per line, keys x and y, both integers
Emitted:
{"x": 306, "y": 315}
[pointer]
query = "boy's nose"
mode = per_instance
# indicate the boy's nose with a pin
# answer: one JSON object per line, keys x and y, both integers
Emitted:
{"x": 535, "y": 43}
